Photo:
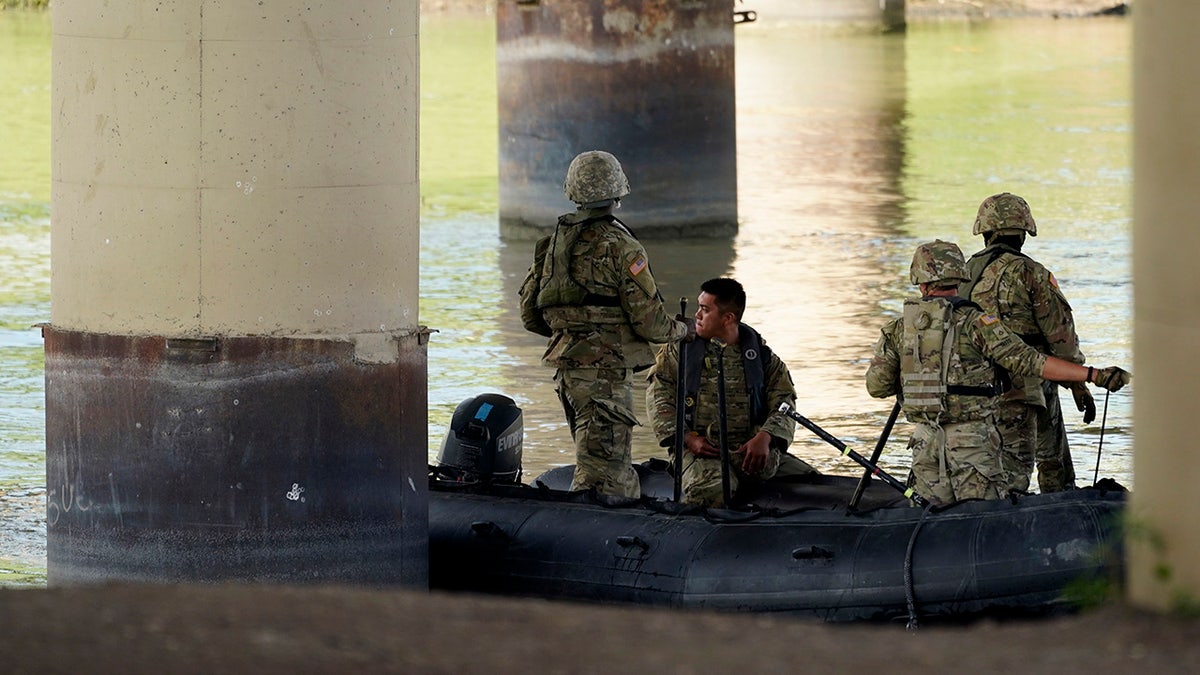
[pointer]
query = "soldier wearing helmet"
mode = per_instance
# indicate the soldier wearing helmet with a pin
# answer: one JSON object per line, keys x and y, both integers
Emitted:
{"x": 941, "y": 357}
{"x": 595, "y": 179}
{"x": 1025, "y": 295}
{"x": 590, "y": 290}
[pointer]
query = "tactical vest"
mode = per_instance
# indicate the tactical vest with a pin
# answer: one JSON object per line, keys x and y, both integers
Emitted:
{"x": 755, "y": 355}
{"x": 928, "y": 351}
{"x": 928, "y": 338}
{"x": 557, "y": 286}
{"x": 980, "y": 262}
{"x": 977, "y": 265}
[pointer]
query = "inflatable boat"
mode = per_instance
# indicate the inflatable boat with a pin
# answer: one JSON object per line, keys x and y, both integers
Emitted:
{"x": 795, "y": 547}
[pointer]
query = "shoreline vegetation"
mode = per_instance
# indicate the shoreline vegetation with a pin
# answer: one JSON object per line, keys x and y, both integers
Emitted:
{"x": 915, "y": 9}
{"x": 24, "y": 4}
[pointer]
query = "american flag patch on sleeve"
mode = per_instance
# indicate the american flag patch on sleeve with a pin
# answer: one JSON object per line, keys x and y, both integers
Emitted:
{"x": 637, "y": 266}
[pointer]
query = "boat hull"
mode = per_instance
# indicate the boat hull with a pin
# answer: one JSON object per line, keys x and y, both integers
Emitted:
{"x": 824, "y": 562}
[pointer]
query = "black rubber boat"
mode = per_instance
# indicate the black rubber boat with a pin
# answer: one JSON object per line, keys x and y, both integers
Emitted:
{"x": 796, "y": 549}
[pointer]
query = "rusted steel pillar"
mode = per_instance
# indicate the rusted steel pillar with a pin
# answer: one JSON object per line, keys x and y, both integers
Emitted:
{"x": 235, "y": 375}
{"x": 651, "y": 81}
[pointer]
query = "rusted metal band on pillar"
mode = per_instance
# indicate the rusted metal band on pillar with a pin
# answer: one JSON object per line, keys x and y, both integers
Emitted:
{"x": 246, "y": 458}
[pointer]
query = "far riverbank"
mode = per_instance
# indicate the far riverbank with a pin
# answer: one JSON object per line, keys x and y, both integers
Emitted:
{"x": 915, "y": 10}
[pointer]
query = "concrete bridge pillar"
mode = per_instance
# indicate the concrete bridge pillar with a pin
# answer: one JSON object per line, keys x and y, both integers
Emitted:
{"x": 650, "y": 81}
{"x": 1164, "y": 538}
{"x": 235, "y": 375}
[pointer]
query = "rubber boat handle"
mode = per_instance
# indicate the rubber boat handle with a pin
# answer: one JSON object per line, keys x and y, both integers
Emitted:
{"x": 630, "y": 541}
{"x": 812, "y": 553}
{"x": 486, "y": 528}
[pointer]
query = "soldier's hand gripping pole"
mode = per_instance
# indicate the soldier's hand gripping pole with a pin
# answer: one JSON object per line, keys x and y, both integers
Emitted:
{"x": 680, "y": 407}
{"x": 862, "y": 461}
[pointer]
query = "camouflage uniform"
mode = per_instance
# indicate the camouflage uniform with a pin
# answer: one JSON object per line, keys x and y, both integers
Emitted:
{"x": 956, "y": 453}
{"x": 940, "y": 357}
{"x": 1026, "y": 297}
{"x": 591, "y": 292}
{"x": 702, "y": 475}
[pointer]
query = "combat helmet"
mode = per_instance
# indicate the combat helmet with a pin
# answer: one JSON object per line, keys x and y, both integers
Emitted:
{"x": 1004, "y": 212}
{"x": 595, "y": 177}
{"x": 937, "y": 261}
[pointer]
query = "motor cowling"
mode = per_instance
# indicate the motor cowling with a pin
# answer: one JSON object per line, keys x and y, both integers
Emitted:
{"x": 483, "y": 443}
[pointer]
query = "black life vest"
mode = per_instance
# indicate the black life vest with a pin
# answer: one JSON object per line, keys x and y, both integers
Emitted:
{"x": 755, "y": 355}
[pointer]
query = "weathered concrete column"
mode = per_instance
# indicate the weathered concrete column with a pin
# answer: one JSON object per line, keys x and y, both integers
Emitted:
{"x": 651, "y": 81}
{"x": 1164, "y": 542}
{"x": 235, "y": 375}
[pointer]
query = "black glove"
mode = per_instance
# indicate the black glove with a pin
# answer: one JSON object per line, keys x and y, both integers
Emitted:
{"x": 691, "y": 327}
{"x": 1084, "y": 401}
{"x": 1111, "y": 378}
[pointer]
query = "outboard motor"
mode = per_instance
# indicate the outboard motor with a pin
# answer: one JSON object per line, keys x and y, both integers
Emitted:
{"x": 483, "y": 444}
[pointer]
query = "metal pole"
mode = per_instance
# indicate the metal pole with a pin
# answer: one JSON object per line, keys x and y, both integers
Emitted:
{"x": 680, "y": 410}
{"x": 1100, "y": 447}
{"x": 866, "y": 477}
{"x": 862, "y": 461}
{"x": 726, "y": 492}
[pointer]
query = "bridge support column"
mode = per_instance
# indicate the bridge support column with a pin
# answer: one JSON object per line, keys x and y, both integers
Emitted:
{"x": 235, "y": 375}
{"x": 1164, "y": 540}
{"x": 650, "y": 81}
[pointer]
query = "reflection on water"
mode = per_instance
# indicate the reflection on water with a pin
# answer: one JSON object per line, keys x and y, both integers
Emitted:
{"x": 24, "y": 243}
{"x": 852, "y": 150}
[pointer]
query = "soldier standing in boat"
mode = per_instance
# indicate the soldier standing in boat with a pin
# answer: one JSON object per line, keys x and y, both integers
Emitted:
{"x": 941, "y": 356}
{"x": 757, "y": 381}
{"x": 1025, "y": 295}
{"x": 591, "y": 292}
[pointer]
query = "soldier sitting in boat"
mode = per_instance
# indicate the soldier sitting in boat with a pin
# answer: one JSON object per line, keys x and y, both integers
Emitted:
{"x": 756, "y": 383}
{"x": 943, "y": 357}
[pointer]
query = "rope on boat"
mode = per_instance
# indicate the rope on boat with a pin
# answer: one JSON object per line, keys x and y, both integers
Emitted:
{"x": 908, "y": 580}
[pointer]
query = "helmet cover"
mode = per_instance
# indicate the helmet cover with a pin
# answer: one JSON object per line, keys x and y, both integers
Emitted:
{"x": 1004, "y": 212}
{"x": 595, "y": 176}
{"x": 937, "y": 261}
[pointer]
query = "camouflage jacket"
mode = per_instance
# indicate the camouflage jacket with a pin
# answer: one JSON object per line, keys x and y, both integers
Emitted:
{"x": 591, "y": 292}
{"x": 982, "y": 337}
{"x": 1026, "y": 297}
{"x": 661, "y": 394}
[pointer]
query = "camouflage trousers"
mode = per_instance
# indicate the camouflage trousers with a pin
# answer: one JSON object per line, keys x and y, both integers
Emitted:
{"x": 1056, "y": 470}
{"x": 956, "y": 461}
{"x": 1016, "y": 423}
{"x": 702, "y": 477}
{"x": 598, "y": 403}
